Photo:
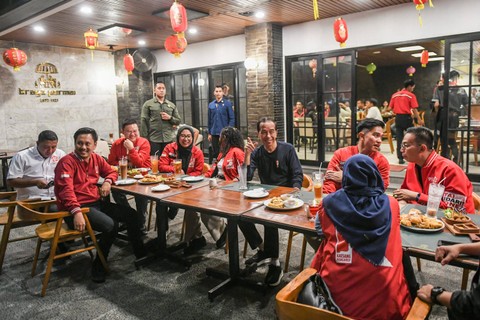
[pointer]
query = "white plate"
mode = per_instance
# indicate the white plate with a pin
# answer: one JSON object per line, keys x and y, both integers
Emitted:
{"x": 161, "y": 187}
{"x": 138, "y": 176}
{"x": 421, "y": 230}
{"x": 193, "y": 178}
{"x": 298, "y": 204}
{"x": 125, "y": 182}
{"x": 255, "y": 194}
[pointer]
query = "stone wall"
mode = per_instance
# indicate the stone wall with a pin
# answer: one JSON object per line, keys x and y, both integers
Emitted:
{"x": 94, "y": 104}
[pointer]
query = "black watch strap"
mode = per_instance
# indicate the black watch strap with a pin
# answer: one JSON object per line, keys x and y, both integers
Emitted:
{"x": 436, "y": 291}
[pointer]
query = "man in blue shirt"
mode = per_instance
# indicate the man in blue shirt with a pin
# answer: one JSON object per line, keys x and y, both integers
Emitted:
{"x": 220, "y": 115}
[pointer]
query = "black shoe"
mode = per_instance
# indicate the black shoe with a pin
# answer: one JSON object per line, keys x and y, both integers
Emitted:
{"x": 98, "y": 272}
{"x": 222, "y": 240}
{"x": 401, "y": 161}
{"x": 195, "y": 245}
{"x": 259, "y": 259}
{"x": 274, "y": 275}
{"x": 172, "y": 213}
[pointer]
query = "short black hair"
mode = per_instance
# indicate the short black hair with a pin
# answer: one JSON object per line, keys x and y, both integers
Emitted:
{"x": 453, "y": 74}
{"x": 160, "y": 82}
{"x": 422, "y": 136}
{"x": 47, "y": 135}
{"x": 368, "y": 124}
{"x": 373, "y": 101}
{"x": 128, "y": 122}
{"x": 86, "y": 130}
{"x": 408, "y": 83}
{"x": 263, "y": 120}
{"x": 219, "y": 86}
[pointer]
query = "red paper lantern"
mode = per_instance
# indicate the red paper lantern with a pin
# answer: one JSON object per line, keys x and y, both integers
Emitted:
{"x": 424, "y": 58}
{"x": 410, "y": 71}
{"x": 127, "y": 31}
{"x": 178, "y": 18}
{"x": 91, "y": 39}
{"x": 340, "y": 31}
{"x": 175, "y": 44}
{"x": 15, "y": 58}
{"x": 128, "y": 63}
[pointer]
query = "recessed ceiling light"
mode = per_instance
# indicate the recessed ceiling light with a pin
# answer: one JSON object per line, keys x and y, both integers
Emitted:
{"x": 141, "y": 42}
{"x": 436, "y": 59}
{"x": 418, "y": 55}
{"x": 411, "y": 48}
{"x": 86, "y": 10}
{"x": 192, "y": 30}
{"x": 39, "y": 29}
{"x": 259, "y": 14}
{"x": 377, "y": 52}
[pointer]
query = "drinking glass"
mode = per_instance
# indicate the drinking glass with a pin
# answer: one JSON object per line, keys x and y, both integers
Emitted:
{"x": 122, "y": 166}
{"x": 318, "y": 178}
{"x": 177, "y": 166}
{"x": 435, "y": 194}
{"x": 154, "y": 162}
{"x": 242, "y": 177}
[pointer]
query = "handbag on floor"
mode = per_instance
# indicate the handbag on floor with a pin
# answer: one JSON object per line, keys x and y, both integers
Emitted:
{"x": 316, "y": 293}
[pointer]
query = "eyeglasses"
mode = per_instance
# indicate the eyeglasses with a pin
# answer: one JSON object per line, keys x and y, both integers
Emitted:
{"x": 183, "y": 136}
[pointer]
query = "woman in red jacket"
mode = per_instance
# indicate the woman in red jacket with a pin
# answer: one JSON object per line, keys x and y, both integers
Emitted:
{"x": 231, "y": 155}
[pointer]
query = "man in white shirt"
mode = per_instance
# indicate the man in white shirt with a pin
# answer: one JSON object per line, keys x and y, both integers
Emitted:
{"x": 372, "y": 109}
{"x": 31, "y": 171}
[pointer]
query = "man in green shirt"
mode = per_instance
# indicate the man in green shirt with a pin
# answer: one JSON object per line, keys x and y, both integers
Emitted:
{"x": 159, "y": 119}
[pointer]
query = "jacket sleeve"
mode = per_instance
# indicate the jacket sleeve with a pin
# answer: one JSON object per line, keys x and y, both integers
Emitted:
{"x": 253, "y": 165}
{"x": 176, "y": 119}
{"x": 199, "y": 160}
{"x": 113, "y": 155}
{"x": 140, "y": 158}
{"x": 164, "y": 162}
{"x": 145, "y": 121}
{"x": 329, "y": 186}
{"x": 296, "y": 169}
{"x": 64, "y": 190}
{"x": 231, "y": 115}
{"x": 384, "y": 168}
{"x": 210, "y": 120}
{"x": 106, "y": 171}
{"x": 465, "y": 304}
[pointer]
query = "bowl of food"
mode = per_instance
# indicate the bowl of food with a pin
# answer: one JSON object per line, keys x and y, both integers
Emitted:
{"x": 454, "y": 217}
{"x": 286, "y": 196}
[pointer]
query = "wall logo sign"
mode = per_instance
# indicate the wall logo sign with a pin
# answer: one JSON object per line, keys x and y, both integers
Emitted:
{"x": 46, "y": 85}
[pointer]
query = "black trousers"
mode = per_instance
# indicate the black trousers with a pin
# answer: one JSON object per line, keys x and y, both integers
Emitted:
{"x": 254, "y": 239}
{"x": 402, "y": 123}
{"x": 157, "y": 146}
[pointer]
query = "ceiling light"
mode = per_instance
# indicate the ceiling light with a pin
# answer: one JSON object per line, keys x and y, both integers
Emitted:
{"x": 436, "y": 59}
{"x": 141, "y": 42}
{"x": 377, "y": 52}
{"x": 192, "y": 30}
{"x": 418, "y": 55}
{"x": 259, "y": 14}
{"x": 86, "y": 10}
{"x": 411, "y": 48}
{"x": 39, "y": 29}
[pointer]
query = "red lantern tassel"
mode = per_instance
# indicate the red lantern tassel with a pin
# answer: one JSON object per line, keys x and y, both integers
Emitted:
{"x": 315, "y": 10}
{"x": 430, "y": 3}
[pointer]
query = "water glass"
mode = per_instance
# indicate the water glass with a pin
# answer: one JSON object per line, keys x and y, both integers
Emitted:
{"x": 435, "y": 194}
{"x": 242, "y": 177}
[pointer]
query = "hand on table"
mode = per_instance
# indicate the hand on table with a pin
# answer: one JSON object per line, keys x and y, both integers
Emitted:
{"x": 445, "y": 254}
{"x": 335, "y": 176}
{"x": 404, "y": 194}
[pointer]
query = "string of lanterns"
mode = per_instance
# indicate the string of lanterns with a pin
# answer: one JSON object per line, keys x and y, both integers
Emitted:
{"x": 176, "y": 43}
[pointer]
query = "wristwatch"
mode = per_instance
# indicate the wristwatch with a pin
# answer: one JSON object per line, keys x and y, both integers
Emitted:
{"x": 417, "y": 198}
{"x": 436, "y": 291}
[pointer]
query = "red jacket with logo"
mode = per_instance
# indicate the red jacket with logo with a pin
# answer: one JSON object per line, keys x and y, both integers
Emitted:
{"x": 139, "y": 156}
{"x": 458, "y": 189}
{"x": 195, "y": 167}
{"x": 232, "y": 159}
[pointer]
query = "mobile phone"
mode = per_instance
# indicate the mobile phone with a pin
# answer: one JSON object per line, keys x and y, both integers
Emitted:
{"x": 446, "y": 243}
{"x": 50, "y": 184}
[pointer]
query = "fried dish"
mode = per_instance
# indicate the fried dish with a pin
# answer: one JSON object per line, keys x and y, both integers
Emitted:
{"x": 276, "y": 202}
{"x": 151, "y": 178}
{"x": 419, "y": 221}
{"x": 456, "y": 216}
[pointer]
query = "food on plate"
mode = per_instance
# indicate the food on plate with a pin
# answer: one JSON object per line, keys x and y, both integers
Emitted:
{"x": 455, "y": 215}
{"x": 419, "y": 221}
{"x": 415, "y": 211}
{"x": 133, "y": 172}
{"x": 114, "y": 168}
{"x": 276, "y": 202}
{"x": 151, "y": 178}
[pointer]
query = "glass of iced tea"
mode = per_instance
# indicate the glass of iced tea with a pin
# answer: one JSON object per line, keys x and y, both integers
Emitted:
{"x": 122, "y": 168}
{"x": 318, "y": 185}
{"x": 177, "y": 166}
{"x": 154, "y": 162}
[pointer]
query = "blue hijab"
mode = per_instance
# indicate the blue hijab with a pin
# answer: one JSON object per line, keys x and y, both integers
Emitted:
{"x": 360, "y": 210}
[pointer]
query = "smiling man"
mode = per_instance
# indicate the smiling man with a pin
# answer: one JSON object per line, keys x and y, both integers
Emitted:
{"x": 369, "y": 133}
{"x": 76, "y": 177}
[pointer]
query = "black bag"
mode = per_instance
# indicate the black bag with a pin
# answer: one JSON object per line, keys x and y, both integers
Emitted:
{"x": 315, "y": 293}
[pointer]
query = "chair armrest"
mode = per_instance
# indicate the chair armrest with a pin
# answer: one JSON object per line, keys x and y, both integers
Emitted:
{"x": 419, "y": 310}
{"x": 10, "y": 195}
{"x": 292, "y": 289}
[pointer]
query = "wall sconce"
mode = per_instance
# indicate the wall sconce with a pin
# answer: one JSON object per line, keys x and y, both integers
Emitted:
{"x": 201, "y": 82}
{"x": 251, "y": 63}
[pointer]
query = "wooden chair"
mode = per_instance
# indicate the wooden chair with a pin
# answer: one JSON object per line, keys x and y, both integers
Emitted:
{"x": 307, "y": 184}
{"x": 9, "y": 220}
{"x": 476, "y": 202}
{"x": 288, "y": 309}
{"x": 56, "y": 232}
{"x": 388, "y": 133}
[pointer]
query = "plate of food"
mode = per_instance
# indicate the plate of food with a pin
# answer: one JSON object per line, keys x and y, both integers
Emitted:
{"x": 150, "y": 179}
{"x": 276, "y": 203}
{"x": 133, "y": 172}
{"x": 454, "y": 217}
{"x": 256, "y": 193}
{"x": 420, "y": 223}
{"x": 161, "y": 187}
{"x": 192, "y": 178}
{"x": 125, "y": 182}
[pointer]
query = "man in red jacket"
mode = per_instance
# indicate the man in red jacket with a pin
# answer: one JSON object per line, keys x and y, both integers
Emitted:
{"x": 76, "y": 177}
{"x": 137, "y": 150}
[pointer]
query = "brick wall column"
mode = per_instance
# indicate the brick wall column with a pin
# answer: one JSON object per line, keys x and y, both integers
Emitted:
{"x": 265, "y": 77}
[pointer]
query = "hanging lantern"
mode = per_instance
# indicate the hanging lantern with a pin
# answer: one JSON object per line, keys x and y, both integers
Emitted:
{"x": 313, "y": 65}
{"x": 178, "y": 18}
{"x": 420, "y": 5}
{"x": 128, "y": 63}
{"x": 175, "y": 44}
{"x": 424, "y": 58}
{"x": 371, "y": 67}
{"x": 15, "y": 58}
{"x": 340, "y": 31}
{"x": 410, "y": 71}
{"x": 127, "y": 31}
{"x": 91, "y": 39}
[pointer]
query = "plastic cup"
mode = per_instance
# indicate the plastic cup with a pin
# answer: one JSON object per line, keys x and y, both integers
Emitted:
{"x": 154, "y": 162}
{"x": 318, "y": 178}
{"x": 122, "y": 168}
{"x": 435, "y": 194}
{"x": 177, "y": 166}
{"x": 242, "y": 177}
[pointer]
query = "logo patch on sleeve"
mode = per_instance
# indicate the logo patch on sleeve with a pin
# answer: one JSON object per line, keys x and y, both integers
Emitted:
{"x": 64, "y": 175}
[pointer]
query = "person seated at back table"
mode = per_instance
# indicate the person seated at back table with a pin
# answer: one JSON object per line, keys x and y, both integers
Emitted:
{"x": 192, "y": 165}
{"x": 425, "y": 167}
{"x": 277, "y": 164}
{"x": 461, "y": 304}
{"x": 360, "y": 258}
{"x": 32, "y": 170}
{"x": 369, "y": 134}
{"x": 137, "y": 150}
{"x": 76, "y": 178}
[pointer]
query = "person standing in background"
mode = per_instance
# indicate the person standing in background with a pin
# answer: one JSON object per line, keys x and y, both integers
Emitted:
{"x": 159, "y": 119}
{"x": 220, "y": 115}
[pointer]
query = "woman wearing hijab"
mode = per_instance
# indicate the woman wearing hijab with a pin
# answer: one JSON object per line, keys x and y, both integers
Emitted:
{"x": 360, "y": 258}
{"x": 231, "y": 155}
{"x": 192, "y": 165}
